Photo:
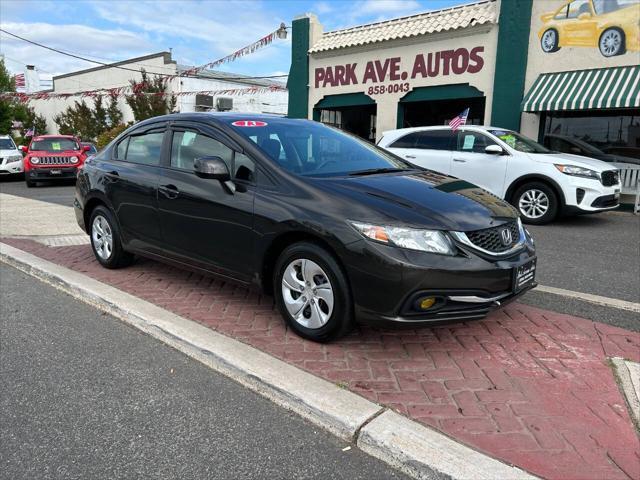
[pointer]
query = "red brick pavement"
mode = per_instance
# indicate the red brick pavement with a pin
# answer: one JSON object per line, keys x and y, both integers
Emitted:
{"x": 528, "y": 386}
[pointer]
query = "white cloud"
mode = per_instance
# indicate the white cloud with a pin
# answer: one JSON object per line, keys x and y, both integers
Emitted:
{"x": 391, "y": 7}
{"x": 108, "y": 44}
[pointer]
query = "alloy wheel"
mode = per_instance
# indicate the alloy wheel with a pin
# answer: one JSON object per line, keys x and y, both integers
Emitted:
{"x": 549, "y": 40}
{"x": 533, "y": 203}
{"x": 102, "y": 236}
{"x": 307, "y": 293}
{"x": 610, "y": 43}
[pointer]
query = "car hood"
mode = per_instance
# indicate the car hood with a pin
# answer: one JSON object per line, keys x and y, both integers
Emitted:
{"x": 9, "y": 153}
{"x": 568, "y": 158}
{"x": 422, "y": 199}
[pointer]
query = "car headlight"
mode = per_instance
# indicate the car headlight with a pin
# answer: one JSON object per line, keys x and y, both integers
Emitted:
{"x": 73, "y": 159}
{"x": 34, "y": 160}
{"x": 14, "y": 158}
{"x": 433, "y": 241}
{"x": 578, "y": 171}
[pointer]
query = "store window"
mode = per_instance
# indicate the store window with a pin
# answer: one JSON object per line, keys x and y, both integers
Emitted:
{"x": 615, "y": 132}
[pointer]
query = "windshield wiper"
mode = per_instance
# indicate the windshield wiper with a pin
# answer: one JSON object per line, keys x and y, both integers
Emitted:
{"x": 373, "y": 171}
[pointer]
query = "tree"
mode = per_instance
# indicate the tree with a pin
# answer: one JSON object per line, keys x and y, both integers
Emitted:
{"x": 113, "y": 112}
{"x": 149, "y": 97}
{"x": 87, "y": 123}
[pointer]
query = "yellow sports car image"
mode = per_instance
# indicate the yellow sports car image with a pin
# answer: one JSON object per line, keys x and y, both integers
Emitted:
{"x": 613, "y": 26}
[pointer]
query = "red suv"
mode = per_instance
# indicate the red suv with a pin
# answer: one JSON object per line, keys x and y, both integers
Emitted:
{"x": 53, "y": 157}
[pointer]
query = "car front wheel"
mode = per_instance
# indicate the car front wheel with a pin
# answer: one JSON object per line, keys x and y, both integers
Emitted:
{"x": 105, "y": 240}
{"x": 536, "y": 202}
{"x": 611, "y": 43}
{"x": 549, "y": 41}
{"x": 312, "y": 292}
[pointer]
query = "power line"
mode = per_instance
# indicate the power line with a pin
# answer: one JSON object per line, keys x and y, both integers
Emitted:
{"x": 61, "y": 52}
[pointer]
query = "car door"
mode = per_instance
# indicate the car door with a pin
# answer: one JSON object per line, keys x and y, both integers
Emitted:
{"x": 472, "y": 163}
{"x": 580, "y": 27}
{"x": 428, "y": 149}
{"x": 131, "y": 182}
{"x": 204, "y": 222}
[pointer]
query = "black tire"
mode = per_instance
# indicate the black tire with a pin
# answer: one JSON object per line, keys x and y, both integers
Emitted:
{"x": 621, "y": 48}
{"x": 341, "y": 319}
{"x": 30, "y": 183}
{"x": 552, "y": 203}
{"x": 549, "y": 42}
{"x": 118, "y": 257}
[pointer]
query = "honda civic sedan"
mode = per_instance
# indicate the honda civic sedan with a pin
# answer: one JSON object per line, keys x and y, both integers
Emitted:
{"x": 336, "y": 229}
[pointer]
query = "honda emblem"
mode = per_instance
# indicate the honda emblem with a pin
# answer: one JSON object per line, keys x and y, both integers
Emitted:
{"x": 506, "y": 237}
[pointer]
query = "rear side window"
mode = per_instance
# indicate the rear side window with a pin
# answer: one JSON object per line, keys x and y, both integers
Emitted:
{"x": 408, "y": 141}
{"x": 435, "y": 140}
{"x": 144, "y": 149}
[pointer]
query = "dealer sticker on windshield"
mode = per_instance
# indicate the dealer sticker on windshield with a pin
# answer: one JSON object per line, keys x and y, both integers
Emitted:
{"x": 249, "y": 123}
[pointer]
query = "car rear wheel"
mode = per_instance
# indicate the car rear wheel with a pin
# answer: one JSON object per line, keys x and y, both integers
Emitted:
{"x": 549, "y": 41}
{"x": 536, "y": 202}
{"x": 611, "y": 43}
{"x": 105, "y": 240}
{"x": 312, "y": 293}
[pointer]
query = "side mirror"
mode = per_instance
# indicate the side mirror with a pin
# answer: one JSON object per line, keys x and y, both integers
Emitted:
{"x": 212, "y": 167}
{"x": 24, "y": 148}
{"x": 494, "y": 150}
{"x": 86, "y": 148}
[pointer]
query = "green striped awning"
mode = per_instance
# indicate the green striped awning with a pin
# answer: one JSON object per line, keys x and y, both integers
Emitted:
{"x": 617, "y": 87}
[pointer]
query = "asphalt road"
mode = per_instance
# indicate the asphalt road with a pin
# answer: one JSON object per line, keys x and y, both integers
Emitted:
{"x": 597, "y": 254}
{"x": 85, "y": 396}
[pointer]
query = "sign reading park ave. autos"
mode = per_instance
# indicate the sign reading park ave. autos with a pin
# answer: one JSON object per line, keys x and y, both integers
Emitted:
{"x": 396, "y": 72}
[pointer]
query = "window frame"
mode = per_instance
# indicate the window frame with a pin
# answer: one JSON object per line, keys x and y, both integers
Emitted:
{"x": 213, "y": 134}
{"x": 153, "y": 128}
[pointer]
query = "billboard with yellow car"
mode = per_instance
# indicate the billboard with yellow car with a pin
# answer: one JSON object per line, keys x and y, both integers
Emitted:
{"x": 611, "y": 26}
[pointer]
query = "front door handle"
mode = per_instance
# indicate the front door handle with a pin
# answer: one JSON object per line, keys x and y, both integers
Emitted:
{"x": 409, "y": 156}
{"x": 112, "y": 176}
{"x": 169, "y": 191}
{"x": 461, "y": 160}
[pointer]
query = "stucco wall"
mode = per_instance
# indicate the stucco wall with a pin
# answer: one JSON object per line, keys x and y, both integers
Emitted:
{"x": 565, "y": 59}
{"x": 407, "y": 50}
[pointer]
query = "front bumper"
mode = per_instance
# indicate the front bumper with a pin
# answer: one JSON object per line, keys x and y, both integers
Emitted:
{"x": 590, "y": 196}
{"x": 385, "y": 282}
{"x": 59, "y": 173}
{"x": 11, "y": 168}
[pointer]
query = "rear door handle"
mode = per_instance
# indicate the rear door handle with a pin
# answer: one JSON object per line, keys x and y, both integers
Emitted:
{"x": 169, "y": 191}
{"x": 461, "y": 160}
{"x": 409, "y": 156}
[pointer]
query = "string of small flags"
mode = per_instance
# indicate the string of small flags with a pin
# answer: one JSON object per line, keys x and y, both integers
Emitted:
{"x": 122, "y": 91}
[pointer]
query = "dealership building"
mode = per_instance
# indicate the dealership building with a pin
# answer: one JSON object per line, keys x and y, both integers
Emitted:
{"x": 567, "y": 68}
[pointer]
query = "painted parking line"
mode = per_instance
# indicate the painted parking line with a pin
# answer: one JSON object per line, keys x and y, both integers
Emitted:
{"x": 588, "y": 297}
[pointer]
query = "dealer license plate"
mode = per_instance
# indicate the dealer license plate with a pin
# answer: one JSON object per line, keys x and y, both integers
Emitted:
{"x": 55, "y": 172}
{"x": 524, "y": 275}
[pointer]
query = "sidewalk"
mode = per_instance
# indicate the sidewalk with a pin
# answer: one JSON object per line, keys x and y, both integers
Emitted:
{"x": 527, "y": 386}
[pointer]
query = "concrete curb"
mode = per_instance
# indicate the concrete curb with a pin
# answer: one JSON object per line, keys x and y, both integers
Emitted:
{"x": 628, "y": 374}
{"x": 413, "y": 448}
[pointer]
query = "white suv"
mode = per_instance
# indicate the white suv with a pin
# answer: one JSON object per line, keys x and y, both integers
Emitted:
{"x": 10, "y": 157}
{"x": 540, "y": 183}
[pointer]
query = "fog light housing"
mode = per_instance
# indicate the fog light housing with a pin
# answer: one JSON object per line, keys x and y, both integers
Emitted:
{"x": 425, "y": 303}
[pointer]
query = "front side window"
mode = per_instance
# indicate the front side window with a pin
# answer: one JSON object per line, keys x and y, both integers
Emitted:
{"x": 562, "y": 13}
{"x": 313, "y": 149}
{"x": 54, "y": 144}
{"x": 188, "y": 145}
{"x": 145, "y": 149}
{"x": 519, "y": 142}
{"x": 578, "y": 7}
{"x": 7, "y": 144}
{"x": 473, "y": 142}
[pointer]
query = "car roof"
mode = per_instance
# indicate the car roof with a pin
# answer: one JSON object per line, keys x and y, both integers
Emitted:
{"x": 443, "y": 127}
{"x": 54, "y": 136}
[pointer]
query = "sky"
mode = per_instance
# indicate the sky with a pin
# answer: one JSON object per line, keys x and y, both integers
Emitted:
{"x": 197, "y": 31}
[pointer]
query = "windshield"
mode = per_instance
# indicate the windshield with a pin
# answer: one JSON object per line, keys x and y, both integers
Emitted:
{"x": 53, "y": 145}
{"x": 313, "y": 149}
{"x": 7, "y": 144}
{"x": 519, "y": 142}
{"x": 608, "y": 6}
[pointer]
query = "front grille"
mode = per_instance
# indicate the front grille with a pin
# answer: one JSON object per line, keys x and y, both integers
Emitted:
{"x": 55, "y": 161}
{"x": 609, "y": 178}
{"x": 490, "y": 239}
{"x": 605, "y": 201}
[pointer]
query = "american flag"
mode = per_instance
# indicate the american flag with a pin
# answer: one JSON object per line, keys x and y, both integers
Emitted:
{"x": 30, "y": 133}
{"x": 459, "y": 120}
{"x": 20, "y": 80}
